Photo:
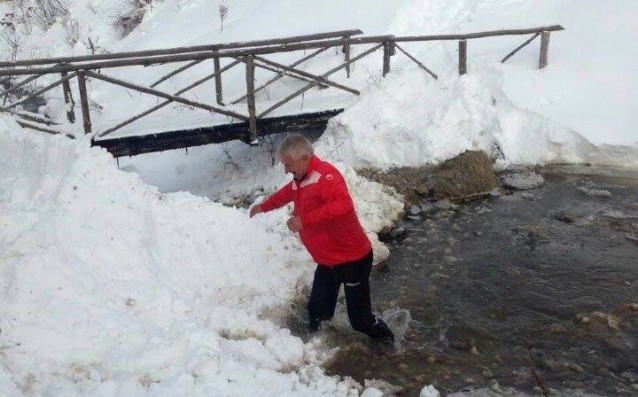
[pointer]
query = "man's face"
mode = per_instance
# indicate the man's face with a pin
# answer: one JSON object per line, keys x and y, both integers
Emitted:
{"x": 297, "y": 167}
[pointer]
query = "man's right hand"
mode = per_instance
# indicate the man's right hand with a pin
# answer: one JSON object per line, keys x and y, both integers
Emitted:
{"x": 256, "y": 209}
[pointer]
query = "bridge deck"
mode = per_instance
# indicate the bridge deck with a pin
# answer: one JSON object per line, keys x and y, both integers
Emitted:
{"x": 179, "y": 139}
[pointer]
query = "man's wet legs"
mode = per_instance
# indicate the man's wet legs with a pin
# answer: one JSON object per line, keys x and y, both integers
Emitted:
{"x": 323, "y": 296}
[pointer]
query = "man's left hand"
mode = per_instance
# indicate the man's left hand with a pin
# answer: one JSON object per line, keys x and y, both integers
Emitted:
{"x": 294, "y": 224}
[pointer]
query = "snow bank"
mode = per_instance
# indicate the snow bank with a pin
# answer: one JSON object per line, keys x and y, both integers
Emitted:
{"x": 111, "y": 288}
{"x": 409, "y": 119}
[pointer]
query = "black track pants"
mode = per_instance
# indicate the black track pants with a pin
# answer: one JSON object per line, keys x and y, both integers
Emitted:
{"x": 325, "y": 290}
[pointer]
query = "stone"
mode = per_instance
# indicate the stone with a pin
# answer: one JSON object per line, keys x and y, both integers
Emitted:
{"x": 429, "y": 391}
{"x": 523, "y": 180}
{"x": 595, "y": 192}
{"x": 445, "y": 205}
{"x": 438, "y": 276}
{"x": 528, "y": 196}
{"x": 415, "y": 209}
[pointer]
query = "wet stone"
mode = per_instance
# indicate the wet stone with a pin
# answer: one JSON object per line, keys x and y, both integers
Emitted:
{"x": 522, "y": 180}
{"x": 595, "y": 192}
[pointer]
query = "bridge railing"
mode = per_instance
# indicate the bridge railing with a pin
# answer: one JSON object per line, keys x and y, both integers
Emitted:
{"x": 251, "y": 54}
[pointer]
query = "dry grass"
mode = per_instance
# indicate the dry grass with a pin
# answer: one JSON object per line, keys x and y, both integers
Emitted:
{"x": 466, "y": 176}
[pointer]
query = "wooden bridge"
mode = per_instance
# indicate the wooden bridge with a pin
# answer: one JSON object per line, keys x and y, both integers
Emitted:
{"x": 247, "y": 124}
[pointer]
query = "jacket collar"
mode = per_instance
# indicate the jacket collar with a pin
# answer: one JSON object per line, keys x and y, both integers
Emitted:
{"x": 314, "y": 163}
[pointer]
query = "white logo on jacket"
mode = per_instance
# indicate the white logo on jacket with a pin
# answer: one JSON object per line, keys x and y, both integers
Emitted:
{"x": 312, "y": 179}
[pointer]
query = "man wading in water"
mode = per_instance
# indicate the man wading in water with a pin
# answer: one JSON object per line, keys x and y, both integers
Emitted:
{"x": 325, "y": 218}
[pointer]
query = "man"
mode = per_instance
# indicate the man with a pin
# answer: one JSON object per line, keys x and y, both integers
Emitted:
{"x": 325, "y": 218}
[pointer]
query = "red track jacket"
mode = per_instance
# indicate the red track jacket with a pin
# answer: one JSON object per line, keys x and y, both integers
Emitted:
{"x": 331, "y": 230}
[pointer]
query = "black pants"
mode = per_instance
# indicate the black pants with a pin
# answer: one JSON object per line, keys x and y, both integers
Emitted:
{"x": 325, "y": 290}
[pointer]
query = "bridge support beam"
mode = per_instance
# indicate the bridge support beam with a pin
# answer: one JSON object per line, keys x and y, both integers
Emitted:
{"x": 218, "y": 82}
{"x": 462, "y": 57}
{"x": 250, "y": 97}
{"x": 542, "y": 61}
{"x": 84, "y": 100}
{"x": 68, "y": 98}
{"x": 388, "y": 51}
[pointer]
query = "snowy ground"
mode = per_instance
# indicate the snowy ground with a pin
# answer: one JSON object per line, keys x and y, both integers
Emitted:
{"x": 112, "y": 287}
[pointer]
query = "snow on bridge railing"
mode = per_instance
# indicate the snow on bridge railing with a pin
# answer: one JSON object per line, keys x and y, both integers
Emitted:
{"x": 250, "y": 53}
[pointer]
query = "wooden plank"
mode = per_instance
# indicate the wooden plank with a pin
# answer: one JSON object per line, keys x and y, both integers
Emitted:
{"x": 161, "y": 105}
{"x": 84, "y": 101}
{"x": 431, "y": 73}
{"x": 462, "y": 57}
{"x": 68, "y": 99}
{"x": 542, "y": 60}
{"x": 309, "y": 86}
{"x": 134, "y": 145}
{"x": 280, "y": 75}
{"x": 219, "y": 95}
{"x": 176, "y": 72}
{"x": 181, "y": 50}
{"x": 20, "y": 84}
{"x": 39, "y": 92}
{"x": 161, "y": 94}
{"x": 307, "y": 75}
{"x": 478, "y": 35}
{"x": 37, "y": 118}
{"x": 250, "y": 95}
{"x": 517, "y": 49}
{"x": 388, "y": 49}
{"x": 346, "y": 56}
{"x": 285, "y": 73}
{"x": 148, "y": 61}
{"x": 37, "y": 127}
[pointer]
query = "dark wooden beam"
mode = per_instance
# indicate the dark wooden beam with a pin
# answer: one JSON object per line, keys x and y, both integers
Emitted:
{"x": 478, "y": 35}
{"x": 182, "y": 50}
{"x": 280, "y": 75}
{"x": 18, "y": 85}
{"x": 462, "y": 57}
{"x": 314, "y": 83}
{"x": 421, "y": 65}
{"x": 517, "y": 49}
{"x": 542, "y": 61}
{"x": 68, "y": 100}
{"x": 37, "y": 127}
{"x": 176, "y": 72}
{"x": 250, "y": 95}
{"x": 307, "y": 75}
{"x": 39, "y": 92}
{"x": 84, "y": 102}
{"x": 134, "y": 145}
{"x": 164, "y": 95}
{"x": 148, "y": 61}
{"x": 162, "y": 104}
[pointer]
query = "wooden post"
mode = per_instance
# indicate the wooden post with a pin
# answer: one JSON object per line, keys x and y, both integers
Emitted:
{"x": 542, "y": 61}
{"x": 388, "y": 51}
{"x": 250, "y": 98}
{"x": 218, "y": 82}
{"x": 346, "y": 56}
{"x": 84, "y": 100}
{"x": 462, "y": 57}
{"x": 68, "y": 98}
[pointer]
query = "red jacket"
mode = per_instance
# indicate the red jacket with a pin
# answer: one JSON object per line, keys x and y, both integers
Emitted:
{"x": 331, "y": 230}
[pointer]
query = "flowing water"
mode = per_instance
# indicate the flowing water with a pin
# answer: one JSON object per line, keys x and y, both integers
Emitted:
{"x": 535, "y": 291}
